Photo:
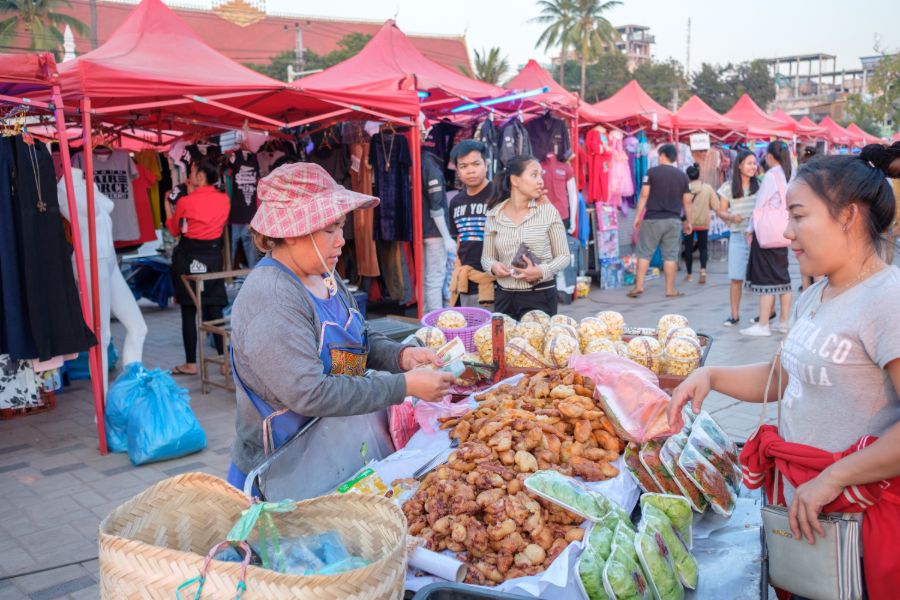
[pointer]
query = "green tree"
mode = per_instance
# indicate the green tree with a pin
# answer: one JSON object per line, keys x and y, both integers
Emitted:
{"x": 605, "y": 76}
{"x": 711, "y": 85}
{"x": 885, "y": 87}
{"x": 559, "y": 17}
{"x": 347, "y": 47}
{"x": 41, "y": 21}
{"x": 593, "y": 34}
{"x": 489, "y": 66}
{"x": 277, "y": 67}
{"x": 661, "y": 80}
{"x": 864, "y": 113}
{"x": 753, "y": 78}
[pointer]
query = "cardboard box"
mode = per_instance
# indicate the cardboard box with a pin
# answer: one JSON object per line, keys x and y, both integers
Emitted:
{"x": 607, "y": 218}
{"x": 608, "y": 244}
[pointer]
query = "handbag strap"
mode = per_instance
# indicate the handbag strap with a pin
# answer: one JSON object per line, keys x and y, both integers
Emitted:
{"x": 776, "y": 364}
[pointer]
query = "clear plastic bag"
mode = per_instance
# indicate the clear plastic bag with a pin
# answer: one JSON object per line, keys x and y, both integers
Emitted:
{"x": 705, "y": 476}
{"x": 718, "y": 435}
{"x": 630, "y": 395}
{"x": 623, "y": 538}
{"x": 569, "y": 493}
{"x": 655, "y": 559}
{"x": 623, "y": 578}
{"x": 590, "y": 575}
{"x": 718, "y": 456}
{"x": 669, "y": 454}
{"x": 676, "y": 509}
{"x": 638, "y": 471}
{"x": 685, "y": 564}
{"x": 428, "y": 413}
{"x": 650, "y": 458}
{"x": 600, "y": 540}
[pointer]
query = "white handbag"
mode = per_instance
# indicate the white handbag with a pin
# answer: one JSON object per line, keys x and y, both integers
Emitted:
{"x": 831, "y": 569}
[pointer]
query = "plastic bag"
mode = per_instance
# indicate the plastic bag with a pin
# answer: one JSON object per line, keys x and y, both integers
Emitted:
{"x": 569, "y": 494}
{"x": 600, "y": 541}
{"x": 623, "y": 578}
{"x": 428, "y": 413}
{"x": 630, "y": 395}
{"x": 649, "y": 455}
{"x": 521, "y": 354}
{"x": 676, "y": 509}
{"x": 590, "y": 574}
{"x": 669, "y": 455}
{"x": 655, "y": 559}
{"x": 638, "y": 471}
{"x": 559, "y": 349}
{"x": 685, "y": 565}
{"x": 712, "y": 483}
{"x": 125, "y": 390}
{"x": 162, "y": 425}
{"x": 402, "y": 419}
{"x": 716, "y": 455}
{"x": 623, "y": 538}
{"x": 714, "y": 431}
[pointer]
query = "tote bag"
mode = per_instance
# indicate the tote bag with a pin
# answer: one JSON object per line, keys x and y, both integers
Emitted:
{"x": 769, "y": 222}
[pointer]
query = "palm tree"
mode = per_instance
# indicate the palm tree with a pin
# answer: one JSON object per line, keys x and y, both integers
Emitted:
{"x": 593, "y": 33}
{"x": 559, "y": 16}
{"x": 489, "y": 67}
{"x": 41, "y": 20}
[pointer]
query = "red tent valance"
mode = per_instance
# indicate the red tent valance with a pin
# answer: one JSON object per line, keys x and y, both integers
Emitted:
{"x": 25, "y": 73}
{"x": 837, "y": 134}
{"x": 800, "y": 128}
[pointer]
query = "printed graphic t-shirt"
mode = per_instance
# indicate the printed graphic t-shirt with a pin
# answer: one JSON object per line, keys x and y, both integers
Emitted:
{"x": 113, "y": 174}
{"x": 245, "y": 175}
{"x": 467, "y": 217}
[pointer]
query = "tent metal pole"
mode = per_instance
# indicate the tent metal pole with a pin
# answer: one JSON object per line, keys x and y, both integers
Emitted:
{"x": 96, "y": 352}
{"x": 418, "y": 249}
{"x": 17, "y": 100}
{"x": 363, "y": 109}
{"x": 238, "y": 111}
{"x": 163, "y": 103}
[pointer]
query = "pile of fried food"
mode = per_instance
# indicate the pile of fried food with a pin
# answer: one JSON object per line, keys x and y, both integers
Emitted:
{"x": 476, "y": 504}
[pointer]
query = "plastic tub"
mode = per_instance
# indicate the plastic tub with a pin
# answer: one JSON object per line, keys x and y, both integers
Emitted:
{"x": 462, "y": 591}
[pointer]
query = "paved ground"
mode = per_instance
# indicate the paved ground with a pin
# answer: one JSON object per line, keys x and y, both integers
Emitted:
{"x": 55, "y": 487}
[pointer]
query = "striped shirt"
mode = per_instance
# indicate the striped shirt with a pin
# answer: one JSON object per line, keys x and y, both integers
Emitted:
{"x": 542, "y": 231}
{"x": 740, "y": 206}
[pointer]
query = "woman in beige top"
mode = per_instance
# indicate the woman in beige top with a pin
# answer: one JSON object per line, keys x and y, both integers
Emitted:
{"x": 703, "y": 200}
{"x": 517, "y": 219}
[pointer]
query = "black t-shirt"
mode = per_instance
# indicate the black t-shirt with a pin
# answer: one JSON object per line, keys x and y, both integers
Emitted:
{"x": 244, "y": 168}
{"x": 467, "y": 218}
{"x": 434, "y": 194}
{"x": 668, "y": 185}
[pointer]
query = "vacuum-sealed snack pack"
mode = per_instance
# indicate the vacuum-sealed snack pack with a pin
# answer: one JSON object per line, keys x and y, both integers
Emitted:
{"x": 711, "y": 482}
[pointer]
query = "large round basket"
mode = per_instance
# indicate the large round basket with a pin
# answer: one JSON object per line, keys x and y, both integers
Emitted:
{"x": 475, "y": 319}
{"x": 158, "y": 540}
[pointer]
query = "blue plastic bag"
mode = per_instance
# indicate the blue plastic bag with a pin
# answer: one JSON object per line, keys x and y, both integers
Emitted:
{"x": 122, "y": 394}
{"x": 162, "y": 425}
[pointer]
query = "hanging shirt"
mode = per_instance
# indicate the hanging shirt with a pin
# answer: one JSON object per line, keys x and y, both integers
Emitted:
{"x": 244, "y": 170}
{"x": 489, "y": 136}
{"x": 556, "y": 175}
{"x": 114, "y": 173}
{"x": 549, "y": 135}
{"x": 467, "y": 217}
{"x": 201, "y": 215}
{"x": 142, "y": 186}
{"x": 440, "y": 141}
{"x": 434, "y": 195}
{"x": 514, "y": 140}
{"x": 390, "y": 159}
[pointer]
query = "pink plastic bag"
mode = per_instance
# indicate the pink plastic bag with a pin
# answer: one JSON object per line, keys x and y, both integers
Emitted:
{"x": 629, "y": 393}
{"x": 428, "y": 413}
{"x": 402, "y": 418}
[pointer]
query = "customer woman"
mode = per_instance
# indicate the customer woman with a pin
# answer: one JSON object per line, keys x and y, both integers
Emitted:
{"x": 300, "y": 348}
{"x": 767, "y": 268}
{"x": 736, "y": 201}
{"x": 804, "y": 155}
{"x": 841, "y": 360}
{"x": 703, "y": 200}
{"x": 518, "y": 220}
{"x": 199, "y": 218}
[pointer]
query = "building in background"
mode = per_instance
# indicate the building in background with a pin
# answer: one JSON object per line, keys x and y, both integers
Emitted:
{"x": 635, "y": 42}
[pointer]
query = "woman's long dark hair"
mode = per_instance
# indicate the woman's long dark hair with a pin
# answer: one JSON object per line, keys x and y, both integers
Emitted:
{"x": 844, "y": 180}
{"x": 780, "y": 152}
{"x": 502, "y": 180}
{"x": 737, "y": 182}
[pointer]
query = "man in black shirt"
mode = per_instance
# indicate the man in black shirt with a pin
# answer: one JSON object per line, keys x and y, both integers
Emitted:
{"x": 468, "y": 213}
{"x": 665, "y": 193}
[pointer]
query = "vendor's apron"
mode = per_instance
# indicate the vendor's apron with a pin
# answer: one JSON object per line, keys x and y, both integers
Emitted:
{"x": 198, "y": 257}
{"x": 343, "y": 349}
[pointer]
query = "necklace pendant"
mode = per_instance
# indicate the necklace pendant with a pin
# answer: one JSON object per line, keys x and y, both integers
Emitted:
{"x": 330, "y": 284}
{"x": 387, "y": 166}
{"x": 41, "y": 206}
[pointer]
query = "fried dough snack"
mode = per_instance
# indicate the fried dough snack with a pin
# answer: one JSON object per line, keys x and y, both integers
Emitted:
{"x": 476, "y": 505}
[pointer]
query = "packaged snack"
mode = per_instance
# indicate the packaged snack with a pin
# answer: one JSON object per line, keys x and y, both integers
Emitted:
{"x": 563, "y": 320}
{"x": 533, "y": 332}
{"x": 590, "y": 575}
{"x": 655, "y": 558}
{"x": 716, "y": 455}
{"x": 451, "y": 319}
{"x": 569, "y": 493}
{"x": 713, "y": 485}
{"x": 561, "y": 329}
{"x": 484, "y": 343}
{"x": 667, "y": 323}
{"x": 536, "y": 316}
{"x": 509, "y": 324}
{"x": 680, "y": 332}
{"x": 622, "y": 349}
{"x": 431, "y": 337}
{"x": 599, "y": 345}
{"x": 681, "y": 356}
{"x": 676, "y": 508}
{"x": 669, "y": 455}
{"x": 685, "y": 565}
{"x": 687, "y": 414}
{"x": 718, "y": 434}
{"x": 649, "y": 457}
{"x": 591, "y": 329}
{"x": 600, "y": 540}
{"x": 623, "y": 578}
{"x": 558, "y": 350}
{"x": 615, "y": 323}
{"x": 638, "y": 471}
{"x": 615, "y": 516}
{"x": 646, "y": 351}
{"x": 522, "y": 355}
{"x": 623, "y": 537}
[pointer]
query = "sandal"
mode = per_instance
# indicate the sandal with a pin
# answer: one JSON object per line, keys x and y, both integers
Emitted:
{"x": 702, "y": 278}
{"x": 677, "y": 294}
{"x": 180, "y": 370}
{"x": 635, "y": 293}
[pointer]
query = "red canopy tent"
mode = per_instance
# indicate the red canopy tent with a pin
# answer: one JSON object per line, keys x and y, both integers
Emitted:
{"x": 633, "y": 107}
{"x": 800, "y": 128}
{"x": 755, "y": 123}
{"x": 697, "y": 115}
{"x": 867, "y": 138}
{"x": 25, "y": 74}
{"x": 837, "y": 134}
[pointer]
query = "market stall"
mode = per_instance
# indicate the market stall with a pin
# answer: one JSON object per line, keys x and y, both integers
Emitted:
{"x": 633, "y": 109}
{"x": 756, "y": 124}
{"x": 695, "y": 115}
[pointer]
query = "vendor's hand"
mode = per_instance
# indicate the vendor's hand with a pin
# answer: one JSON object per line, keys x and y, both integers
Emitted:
{"x": 809, "y": 500}
{"x": 500, "y": 270}
{"x": 412, "y": 357}
{"x": 531, "y": 273}
{"x": 694, "y": 389}
{"x": 428, "y": 385}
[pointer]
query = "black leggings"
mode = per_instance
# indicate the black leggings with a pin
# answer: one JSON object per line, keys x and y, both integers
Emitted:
{"x": 189, "y": 329}
{"x": 516, "y": 304}
{"x": 689, "y": 247}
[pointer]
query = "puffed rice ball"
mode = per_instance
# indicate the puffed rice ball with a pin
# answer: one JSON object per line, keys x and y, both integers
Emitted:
{"x": 522, "y": 355}
{"x": 590, "y": 329}
{"x": 431, "y": 337}
{"x": 621, "y": 348}
{"x": 600, "y": 345}
{"x": 563, "y": 320}
{"x": 451, "y": 319}
{"x": 537, "y": 316}
{"x": 646, "y": 351}
{"x": 615, "y": 323}
{"x": 561, "y": 329}
{"x": 532, "y": 332}
{"x": 680, "y": 332}
{"x": 681, "y": 356}
{"x": 558, "y": 350}
{"x": 484, "y": 342}
{"x": 669, "y": 322}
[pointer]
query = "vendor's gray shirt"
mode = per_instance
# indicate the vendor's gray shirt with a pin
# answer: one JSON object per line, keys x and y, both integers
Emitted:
{"x": 839, "y": 389}
{"x": 275, "y": 339}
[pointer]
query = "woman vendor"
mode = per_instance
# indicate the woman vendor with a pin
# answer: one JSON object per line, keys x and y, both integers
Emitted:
{"x": 300, "y": 348}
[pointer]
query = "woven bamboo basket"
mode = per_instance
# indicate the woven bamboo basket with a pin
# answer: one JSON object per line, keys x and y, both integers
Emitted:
{"x": 158, "y": 540}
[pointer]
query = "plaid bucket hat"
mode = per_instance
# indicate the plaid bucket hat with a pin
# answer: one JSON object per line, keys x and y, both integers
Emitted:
{"x": 302, "y": 198}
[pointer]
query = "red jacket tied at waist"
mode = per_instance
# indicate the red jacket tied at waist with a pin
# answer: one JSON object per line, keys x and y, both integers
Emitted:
{"x": 879, "y": 501}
